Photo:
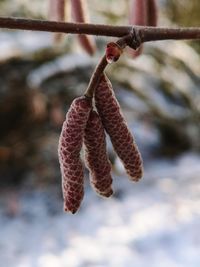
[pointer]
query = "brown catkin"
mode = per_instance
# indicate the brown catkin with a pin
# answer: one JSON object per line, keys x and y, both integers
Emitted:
{"x": 137, "y": 16}
{"x": 152, "y": 14}
{"x": 57, "y": 13}
{"x": 80, "y": 14}
{"x": 96, "y": 156}
{"x": 70, "y": 143}
{"x": 142, "y": 12}
{"x": 57, "y": 10}
{"x": 138, "y": 12}
{"x": 116, "y": 127}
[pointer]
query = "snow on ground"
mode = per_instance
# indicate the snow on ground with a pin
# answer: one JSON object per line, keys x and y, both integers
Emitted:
{"x": 153, "y": 223}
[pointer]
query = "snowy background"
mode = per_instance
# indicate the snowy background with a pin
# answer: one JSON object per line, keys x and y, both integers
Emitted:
{"x": 152, "y": 223}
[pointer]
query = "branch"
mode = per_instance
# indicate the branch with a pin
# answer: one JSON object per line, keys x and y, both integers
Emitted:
{"x": 64, "y": 27}
{"x": 146, "y": 34}
{"x": 154, "y": 34}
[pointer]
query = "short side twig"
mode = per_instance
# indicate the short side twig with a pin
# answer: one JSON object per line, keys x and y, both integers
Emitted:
{"x": 96, "y": 77}
{"x": 122, "y": 43}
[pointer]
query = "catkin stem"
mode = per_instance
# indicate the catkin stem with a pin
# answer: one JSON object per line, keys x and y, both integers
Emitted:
{"x": 94, "y": 80}
{"x": 96, "y": 77}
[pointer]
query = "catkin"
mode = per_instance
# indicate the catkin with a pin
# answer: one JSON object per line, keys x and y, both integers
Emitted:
{"x": 152, "y": 14}
{"x": 137, "y": 16}
{"x": 138, "y": 12}
{"x": 115, "y": 125}
{"x": 80, "y": 14}
{"x": 57, "y": 13}
{"x": 70, "y": 143}
{"x": 142, "y": 12}
{"x": 96, "y": 156}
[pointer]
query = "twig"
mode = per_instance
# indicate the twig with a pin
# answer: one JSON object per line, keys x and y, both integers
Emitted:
{"x": 122, "y": 43}
{"x": 154, "y": 34}
{"x": 146, "y": 33}
{"x": 96, "y": 77}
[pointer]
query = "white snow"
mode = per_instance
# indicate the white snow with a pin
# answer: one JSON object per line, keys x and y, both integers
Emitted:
{"x": 152, "y": 223}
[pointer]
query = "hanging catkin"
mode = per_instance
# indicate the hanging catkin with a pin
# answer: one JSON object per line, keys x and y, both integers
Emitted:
{"x": 96, "y": 156}
{"x": 142, "y": 12}
{"x": 115, "y": 125}
{"x": 152, "y": 14}
{"x": 80, "y": 14}
{"x": 70, "y": 143}
{"x": 57, "y": 12}
{"x": 137, "y": 16}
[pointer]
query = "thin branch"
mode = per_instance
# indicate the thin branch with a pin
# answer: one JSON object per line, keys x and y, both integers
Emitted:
{"x": 155, "y": 34}
{"x": 146, "y": 33}
{"x": 94, "y": 80}
{"x": 64, "y": 27}
{"x": 96, "y": 77}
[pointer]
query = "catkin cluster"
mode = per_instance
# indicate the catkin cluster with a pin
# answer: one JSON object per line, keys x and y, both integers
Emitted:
{"x": 85, "y": 124}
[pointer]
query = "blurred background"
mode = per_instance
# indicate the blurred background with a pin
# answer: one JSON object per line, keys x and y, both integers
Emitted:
{"x": 152, "y": 223}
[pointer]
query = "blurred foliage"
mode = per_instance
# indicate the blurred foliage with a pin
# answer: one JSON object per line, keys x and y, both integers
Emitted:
{"x": 183, "y": 12}
{"x": 24, "y": 8}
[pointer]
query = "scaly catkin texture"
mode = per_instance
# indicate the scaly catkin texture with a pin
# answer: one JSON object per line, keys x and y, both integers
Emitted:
{"x": 115, "y": 125}
{"x": 70, "y": 143}
{"x": 96, "y": 156}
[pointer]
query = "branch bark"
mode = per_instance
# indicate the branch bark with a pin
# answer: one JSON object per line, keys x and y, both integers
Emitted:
{"x": 146, "y": 33}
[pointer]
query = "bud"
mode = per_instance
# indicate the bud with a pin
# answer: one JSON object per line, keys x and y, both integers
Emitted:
{"x": 69, "y": 148}
{"x": 113, "y": 52}
{"x": 116, "y": 127}
{"x": 80, "y": 12}
{"x": 96, "y": 156}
